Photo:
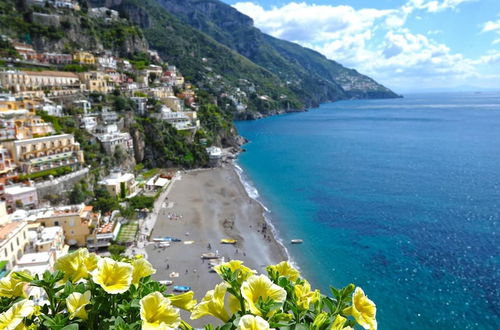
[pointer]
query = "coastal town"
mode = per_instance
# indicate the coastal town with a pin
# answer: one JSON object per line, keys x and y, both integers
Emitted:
{"x": 60, "y": 115}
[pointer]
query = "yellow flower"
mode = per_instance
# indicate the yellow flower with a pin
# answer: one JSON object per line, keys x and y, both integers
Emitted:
{"x": 235, "y": 265}
{"x": 261, "y": 287}
{"x": 13, "y": 317}
{"x": 320, "y": 319}
{"x": 91, "y": 261}
{"x": 304, "y": 296}
{"x": 285, "y": 269}
{"x": 142, "y": 268}
{"x": 363, "y": 310}
{"x": 76, "y": 302}
{"x": 338, "y": 323}
{"x": 212, "y": 304}
{"x": 77, "y": 265}
{"x": 250, "y": 322}
{"x": 184, "y": 300}
{"x": 113, "y": 276}
{"x": 12, "y": 287}
{"x": 157, "y": 312}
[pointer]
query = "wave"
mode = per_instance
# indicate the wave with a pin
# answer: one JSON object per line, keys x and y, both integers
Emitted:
{"x": 254, "y": 194}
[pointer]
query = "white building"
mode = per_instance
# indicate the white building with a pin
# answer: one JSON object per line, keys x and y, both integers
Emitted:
{"x": 117, "y": 181}
{"x": 89, "y": 123}
{"x": 84, "y": 104}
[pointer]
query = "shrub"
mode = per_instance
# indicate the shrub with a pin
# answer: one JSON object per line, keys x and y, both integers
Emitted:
{"x": 90, "y": 292}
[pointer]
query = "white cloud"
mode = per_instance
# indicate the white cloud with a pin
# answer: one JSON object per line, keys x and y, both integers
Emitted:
{"x": 435, "y": 6}
{"x": 375, "y": 42}
{"x": 491, "y": 26}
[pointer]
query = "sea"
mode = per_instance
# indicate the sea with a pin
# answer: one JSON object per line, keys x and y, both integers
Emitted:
{"x": 398, "y": 196}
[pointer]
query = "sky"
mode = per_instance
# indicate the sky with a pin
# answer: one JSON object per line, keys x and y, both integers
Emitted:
{"x": 407, "y": 45}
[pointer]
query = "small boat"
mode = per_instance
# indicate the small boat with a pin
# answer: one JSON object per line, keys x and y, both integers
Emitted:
{"x": 216, "y": 262}
{"x": 181, "y": 288}
{"x": 166, "y": 239}
{"x": 228, "y": 241}
{"x": 166, "y": 282}
{"x": 209, "y": 255}
{"x": 188, "y": 242}
{"x": 163, "y": 244}
{"x": 173, "y": 274}
{"x": 297, "y": 241}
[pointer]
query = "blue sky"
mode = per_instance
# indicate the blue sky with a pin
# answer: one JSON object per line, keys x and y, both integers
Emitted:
{"x": 408, "y": 45}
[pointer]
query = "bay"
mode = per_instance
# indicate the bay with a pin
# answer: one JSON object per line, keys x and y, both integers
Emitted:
{"x": 399, "y": 196}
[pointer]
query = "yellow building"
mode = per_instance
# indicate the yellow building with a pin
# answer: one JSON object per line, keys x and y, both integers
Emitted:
{"x": 43, "y": 153}
{"x": 84, "y": 58}
{"x": 96, "y": 81}
{"x": 13, "y": 238}
{"x": 11, "y": 106}
{"x": 77, "y": 221}
{"x": 21, "y": 81}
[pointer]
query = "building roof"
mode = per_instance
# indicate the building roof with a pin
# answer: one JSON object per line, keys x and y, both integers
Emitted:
{"x": 17, "y": 189}
{"x": 116, "y": 177}
{"x": 51, "y": 74}
{"x": 44, "y": 138}
{"x": 34, "y": 258}
{"x": 106, "y": 228}
{"x": 9, "y": 228}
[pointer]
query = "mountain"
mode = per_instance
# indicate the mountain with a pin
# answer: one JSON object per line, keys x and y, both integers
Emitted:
{"x": 220, "y": 49}
{"x": 301, "y": 68}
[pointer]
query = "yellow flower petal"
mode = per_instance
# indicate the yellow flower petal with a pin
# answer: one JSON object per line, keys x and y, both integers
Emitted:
{"x": 285, "y": 269}
{"x": 184, "y": 301}
{"x": 319, "y": 320}
{"x": 157, "y": 312}
{"x": 77, "y": 265}
{"x": 250, "y": 322}
{"x": 338, "y": 323}
{"x": 261, "y": 287}
{"x": 142, "y": 268}
{"x": 235, "y": 265}
{"x": 212, "y": 304}
{"x": 304, "y": 296}
{"x": 14, "y": 316}
{"x": 363, "y": 310}
{"x": 12, "y": 287}
{"x": 76, "y": 302}
{"x": 113, "y": 276}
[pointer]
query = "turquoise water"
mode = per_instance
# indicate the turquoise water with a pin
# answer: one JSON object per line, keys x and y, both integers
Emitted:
{"x": 401, "y": 197}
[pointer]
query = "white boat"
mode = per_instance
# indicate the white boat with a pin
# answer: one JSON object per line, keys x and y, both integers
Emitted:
{"x": 166, "y": 282}
{"x": 209, "y": 255}
{"x": 297, "y": 241}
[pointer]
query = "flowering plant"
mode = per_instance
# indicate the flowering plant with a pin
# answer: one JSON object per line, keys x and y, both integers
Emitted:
{"x": 91, "y": 292}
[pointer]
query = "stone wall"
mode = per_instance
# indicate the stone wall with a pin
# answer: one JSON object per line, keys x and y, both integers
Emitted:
{"x": 60, "y": 184}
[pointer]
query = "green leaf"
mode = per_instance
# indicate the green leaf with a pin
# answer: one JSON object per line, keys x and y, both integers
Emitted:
{"x": 72, "y": 326}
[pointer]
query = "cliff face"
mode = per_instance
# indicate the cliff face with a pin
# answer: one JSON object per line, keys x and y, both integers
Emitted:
{"x": 51, "y": 30}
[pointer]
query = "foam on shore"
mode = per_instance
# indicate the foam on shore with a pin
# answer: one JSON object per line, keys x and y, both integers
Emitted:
{"x": 254, "y": 194}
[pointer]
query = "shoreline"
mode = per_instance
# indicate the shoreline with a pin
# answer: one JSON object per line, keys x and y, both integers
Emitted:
{"x": 203, "y": 207}
{"x": 266, "y": 212}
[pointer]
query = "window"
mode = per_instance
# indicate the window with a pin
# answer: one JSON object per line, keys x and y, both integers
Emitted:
{"x": 71, "y": 222}
{"x": 72, "y": 232}
{"x": 17, "y": 240}
{"x": 56, "y": 223}
{"x": 5, "y": 252}
{"x": 11, "y": 247}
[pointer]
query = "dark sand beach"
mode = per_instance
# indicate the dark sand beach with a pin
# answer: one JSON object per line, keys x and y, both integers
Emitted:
{"x": 206, "y": 206}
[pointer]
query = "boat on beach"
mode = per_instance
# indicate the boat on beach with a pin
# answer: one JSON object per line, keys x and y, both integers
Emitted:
{"x": 297, "y": 241}
{"x": 166, "y": 239}
{"x": 166, "y": 282}
{"x": 209, "y": 255}
{"x": 181, "y": 288}
{"x": 228, "y": 241}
